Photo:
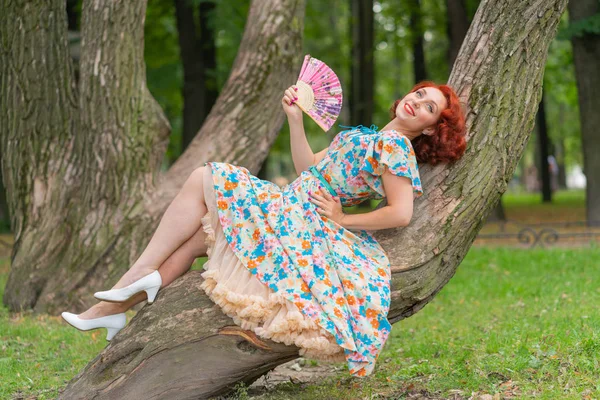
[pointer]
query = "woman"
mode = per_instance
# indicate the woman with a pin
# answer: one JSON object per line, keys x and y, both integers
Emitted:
{"x": 288, "y": 263}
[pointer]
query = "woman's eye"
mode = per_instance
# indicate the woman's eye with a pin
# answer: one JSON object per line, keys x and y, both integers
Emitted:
{"x": 430, "y": 108}
{"x": 419, "y": 93}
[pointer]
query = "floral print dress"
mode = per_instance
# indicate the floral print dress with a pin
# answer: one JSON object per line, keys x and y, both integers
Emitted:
{"x": 337, "y": 277}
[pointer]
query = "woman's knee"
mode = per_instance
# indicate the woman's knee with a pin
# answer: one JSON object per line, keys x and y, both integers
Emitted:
{"x": 195, "y": 182}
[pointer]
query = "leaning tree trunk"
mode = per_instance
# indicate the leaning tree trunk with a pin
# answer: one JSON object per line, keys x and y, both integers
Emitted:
{"x": 183, "y": 347}
{"x": 81, "y": 168}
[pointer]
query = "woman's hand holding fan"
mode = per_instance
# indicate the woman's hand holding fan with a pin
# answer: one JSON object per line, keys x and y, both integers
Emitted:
{"x": 293, "y": 112}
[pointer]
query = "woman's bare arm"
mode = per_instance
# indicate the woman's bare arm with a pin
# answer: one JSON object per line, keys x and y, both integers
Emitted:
{"x": 319, "y": 156}
{"x": 302, "y": 154}
{"x": 398, "y": 211}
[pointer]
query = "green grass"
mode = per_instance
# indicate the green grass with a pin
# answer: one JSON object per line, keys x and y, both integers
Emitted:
{"x": 40, "y": 353}
{"x": 566, "y": 205}
{"x": 526, "y": 316}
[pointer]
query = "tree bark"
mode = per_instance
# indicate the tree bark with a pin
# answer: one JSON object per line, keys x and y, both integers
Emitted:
{"x": 103, "y": 233}
{"x": 78, "y": 167}
{"x": 183, "y": 347}
{"x": 586, "y": 54}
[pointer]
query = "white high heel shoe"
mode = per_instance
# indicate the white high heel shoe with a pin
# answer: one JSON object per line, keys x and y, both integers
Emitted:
{"x": 113, "y": 323}
{"x": 149, "y": 283}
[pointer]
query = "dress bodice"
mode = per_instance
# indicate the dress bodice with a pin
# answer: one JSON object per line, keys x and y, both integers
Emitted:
{"x": 357, "y": 158}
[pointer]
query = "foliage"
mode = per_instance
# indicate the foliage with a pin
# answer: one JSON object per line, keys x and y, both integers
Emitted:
{"x": 163, "y": 63}
{"x": 589, "y": 25}
{"x": 327, "y": 36}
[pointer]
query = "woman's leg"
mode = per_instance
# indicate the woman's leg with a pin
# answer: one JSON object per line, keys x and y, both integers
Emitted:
{"x": 176, "y": 265}
{"x": 179, "y": 222}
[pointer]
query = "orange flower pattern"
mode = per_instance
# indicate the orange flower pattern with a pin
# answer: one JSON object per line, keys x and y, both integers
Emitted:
{"x": 337, "y": 277}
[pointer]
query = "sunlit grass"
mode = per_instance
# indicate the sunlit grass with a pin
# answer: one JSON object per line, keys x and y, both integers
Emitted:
{"x": 510, "y": 321}
{"x": 524, "y": 322}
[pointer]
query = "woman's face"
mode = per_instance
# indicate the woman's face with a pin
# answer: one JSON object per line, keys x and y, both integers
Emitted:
{"x": 421, "y": 109}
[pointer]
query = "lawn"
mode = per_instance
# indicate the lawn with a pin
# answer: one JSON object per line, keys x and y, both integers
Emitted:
{"x": 510, "y": 321}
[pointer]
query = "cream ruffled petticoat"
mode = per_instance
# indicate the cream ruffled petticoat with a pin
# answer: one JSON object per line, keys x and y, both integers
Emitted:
{"x": 251, "y": 304}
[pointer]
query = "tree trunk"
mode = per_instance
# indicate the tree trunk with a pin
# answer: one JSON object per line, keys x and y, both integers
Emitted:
{"x": 586, "y": 54}
{"x": 183, "y": 347}
{"x": 458, "y": 25}
{"x": 77, "y": 168}
{"x": 64, "y": 252}
{"x": 208, "y": 50}
{"x": 544, "y": 145}
{"x": 416, "y": 32}
{"x": 197, "y": 52}
{"x": 362, "y": 83}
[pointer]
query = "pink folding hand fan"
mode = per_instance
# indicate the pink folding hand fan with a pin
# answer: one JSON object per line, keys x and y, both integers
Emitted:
{"x": 319, "y": 92}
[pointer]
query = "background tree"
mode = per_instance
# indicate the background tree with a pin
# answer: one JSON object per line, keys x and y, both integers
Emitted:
{"x": 362, "y": 80}
{"x": 183, "y": 331}
{"x": 198, "y": 55}
{"x": 416, "y": 31}
{"x": 544, "y": 145}
{"x": 458, "y": 25}
{"x": 585, "y": 15}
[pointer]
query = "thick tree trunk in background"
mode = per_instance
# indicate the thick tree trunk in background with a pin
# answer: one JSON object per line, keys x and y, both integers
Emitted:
{"x": 458, "y": 25}
{"x": 183, "y": 347}
{"x": 362, "y": 83}
{"x": 198, "y": 56}
{"x": 586, "y": 54}
{"x": 544, "y": 145}
{"x": 416, "y": 32}
{"x": 64, "y": 252}
{"x": 78, "y": 167}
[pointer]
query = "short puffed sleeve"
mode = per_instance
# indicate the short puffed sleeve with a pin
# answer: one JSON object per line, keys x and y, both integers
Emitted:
{"x": 339, "y": 138}
{"x": 392, "y": 150}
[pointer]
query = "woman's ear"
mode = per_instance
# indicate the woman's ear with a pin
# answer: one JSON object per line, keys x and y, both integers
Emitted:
{"x": 429, "y": 131}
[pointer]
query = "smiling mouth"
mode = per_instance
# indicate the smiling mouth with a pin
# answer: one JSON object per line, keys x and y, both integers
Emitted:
{"x": 409, "y": 109}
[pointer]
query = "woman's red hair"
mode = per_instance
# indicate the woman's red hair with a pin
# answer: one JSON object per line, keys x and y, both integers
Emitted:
{"x": 448, "y": 142}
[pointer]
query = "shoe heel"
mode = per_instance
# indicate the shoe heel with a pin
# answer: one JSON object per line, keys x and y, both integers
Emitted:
{"x": 111, "y": 332}
{"x": 151, "y": 292}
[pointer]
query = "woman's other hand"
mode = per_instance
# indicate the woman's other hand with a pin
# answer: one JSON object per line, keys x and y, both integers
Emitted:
{"x": 293, "y": 112}
{"x": 327, "y": 205}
